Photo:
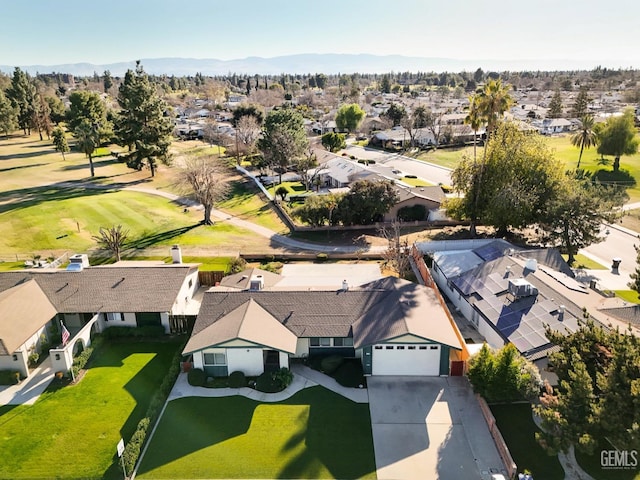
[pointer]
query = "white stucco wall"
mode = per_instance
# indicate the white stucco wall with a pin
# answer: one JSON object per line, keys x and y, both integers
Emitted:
{"x": 186, "y": 293}
{"x": 238, "y": 343}
{"x": 20, "y": 364}
{"x": 284, "y": 360}
{"x": 198, "y": 361}
{"x": 250, "y": 361}
{"x": 61, "y": 359}
{"x": 164, "y": 320}
{"x": 128, "y": 320}
{"x": 302, "y": 347}
{"x": 490, "y": 335}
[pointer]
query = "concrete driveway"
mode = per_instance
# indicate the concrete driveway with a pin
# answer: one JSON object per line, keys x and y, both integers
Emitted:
{"x": 429, "y": 427}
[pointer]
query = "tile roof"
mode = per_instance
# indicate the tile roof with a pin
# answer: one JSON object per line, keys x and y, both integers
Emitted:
{"x": 24, "y": 309}
{"x": 377, "y": 311}
{"x": 107, "y": 289}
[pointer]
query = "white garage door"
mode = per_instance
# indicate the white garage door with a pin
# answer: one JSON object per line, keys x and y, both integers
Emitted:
{"x": 406, "y": 359}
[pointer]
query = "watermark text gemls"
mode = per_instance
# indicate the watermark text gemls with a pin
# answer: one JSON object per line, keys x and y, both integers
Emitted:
{"x": 619, "y": 459}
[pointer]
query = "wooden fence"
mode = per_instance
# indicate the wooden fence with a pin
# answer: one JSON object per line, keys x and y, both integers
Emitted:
{"x": 210, "y": 278}
{"x": 503, "y": 450}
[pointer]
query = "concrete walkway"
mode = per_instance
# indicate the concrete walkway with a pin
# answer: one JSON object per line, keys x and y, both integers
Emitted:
{"x": 28, "y": 391}
{"x": 303, "y": 377}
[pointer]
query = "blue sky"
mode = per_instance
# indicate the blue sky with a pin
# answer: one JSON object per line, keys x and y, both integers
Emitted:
{"x": 51, "y": 32}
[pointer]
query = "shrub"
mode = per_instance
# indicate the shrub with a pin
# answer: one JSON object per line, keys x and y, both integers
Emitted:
{"x": 415, "y": 212}
{"x": 283, "y": 378}
{"x": 331, "y": 363}
{"x": 446, "y": 188}
{"x": 196, "y": 377}
{"x": 237, "y": 265}
{"x": 83, "y": 358}
{"x": 352, "y": 157}
{"x": 237, "y": 380}
{"x": 266, "y": 383}
{"x": 349, "y": 374}
{"x": 315, "y": 362}
{"x": 132, "y": 450}
{"x": 33, "y": 359}
{"x": 9, "y": 377}
{"x": 322, "y": 257}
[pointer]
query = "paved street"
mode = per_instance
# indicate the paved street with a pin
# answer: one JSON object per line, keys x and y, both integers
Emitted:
{"x": 428, "y": 171}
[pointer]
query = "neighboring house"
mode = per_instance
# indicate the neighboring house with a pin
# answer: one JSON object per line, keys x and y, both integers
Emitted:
{"x": 338, "y": 172}
{"x": 550, "y": 126}
{"x": 429, "y": 197}
{"x": 393, "y": 326}
{"x": 87, "y": 301}
{"x": 508, "y": 294}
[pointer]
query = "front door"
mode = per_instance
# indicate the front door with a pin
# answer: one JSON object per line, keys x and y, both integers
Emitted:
{"x": 271, "y": 360}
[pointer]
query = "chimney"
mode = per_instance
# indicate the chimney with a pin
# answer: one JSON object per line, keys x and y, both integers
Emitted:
{"x": 176, "y": 254}
{"x": 345, "y": 285}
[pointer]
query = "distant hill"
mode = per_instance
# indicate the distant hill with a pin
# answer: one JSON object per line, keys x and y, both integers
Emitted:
{"x": 329, "y": 63}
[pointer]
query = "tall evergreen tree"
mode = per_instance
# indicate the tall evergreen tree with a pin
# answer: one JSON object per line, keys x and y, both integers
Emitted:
{"x": 141, "y": 124}
{"x": 580, "y": 107}
{"x": 8, "y": 116}
{"x": 60, "y": 141}
{"x": 22, "y": 94}
{"x": 555, "y": 106}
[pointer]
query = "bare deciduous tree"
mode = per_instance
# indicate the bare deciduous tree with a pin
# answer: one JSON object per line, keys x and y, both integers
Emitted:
{"x": 396, "y": 256}
{"x": 112, "y": 239}
{"x": 247, "y": 133}
{"x": 205, "y": 181}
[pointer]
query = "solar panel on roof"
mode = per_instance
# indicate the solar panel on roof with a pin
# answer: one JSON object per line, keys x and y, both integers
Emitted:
{"x": 489, "y": 252}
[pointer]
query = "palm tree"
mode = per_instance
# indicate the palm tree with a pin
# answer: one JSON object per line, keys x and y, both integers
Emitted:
{"x": 87, "y": 140}
{"x": 493, "y": 101}
{"x": 585, "y": 137}
{"x": 474, "y": 121}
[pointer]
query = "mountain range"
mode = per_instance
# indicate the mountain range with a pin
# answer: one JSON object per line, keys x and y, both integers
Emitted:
{"x": 329, "y": 63}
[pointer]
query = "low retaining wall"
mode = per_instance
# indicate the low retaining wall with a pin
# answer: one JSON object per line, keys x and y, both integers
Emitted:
{"x": 503, "y": 450}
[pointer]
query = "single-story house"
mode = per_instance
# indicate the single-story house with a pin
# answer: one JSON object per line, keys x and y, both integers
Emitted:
{"x": 550, "y": 126}
{"x": 113, "y": 295}
{"x": 429, "y": 197}
{"x": 393, "y": 326}
{"x": 510, "y": 295}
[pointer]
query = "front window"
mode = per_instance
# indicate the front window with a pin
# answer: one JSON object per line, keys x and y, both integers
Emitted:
{"x": 320, "y": 342}
{"x": 215, "y": 359}
{"x": 343, "y": 342}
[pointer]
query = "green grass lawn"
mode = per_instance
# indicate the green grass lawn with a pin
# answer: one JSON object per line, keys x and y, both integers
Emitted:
{"x": 628, "y": 296}
{"x": 416, "y": 182}
{"x": 246, "y": 203}
{"x": 585, "y": 262}
{"x": 518, "y": 430}
{"x": 51, "y": 219}
{"x": 72, "y": 432}
{"x": 314, "y": 434}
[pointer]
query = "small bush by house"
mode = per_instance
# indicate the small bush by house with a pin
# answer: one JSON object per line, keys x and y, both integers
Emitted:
{"x": 350, "y": 374}
{"x": 9, "y": 377}
{"x": 331, "y": 363}
{"x": 196, "y": 377}
{"x": 237, "y": 380}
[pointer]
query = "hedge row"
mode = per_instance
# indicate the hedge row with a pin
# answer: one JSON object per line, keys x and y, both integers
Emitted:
{"x": 81, "y": 360}
{"x": 123, "y": 332}
{"x": 137, "y": 441}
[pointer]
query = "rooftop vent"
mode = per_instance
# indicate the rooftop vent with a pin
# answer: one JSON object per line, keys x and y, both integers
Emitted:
{"x": 345, "y": 285}
{"x": 75, "y": 267}
{"x": 81, "y": 259}
{"x": 520, "y": 288}
{"x": 531, "y": 264}
{"x": 176, "y": 254}
{"x": 256, "y": 283}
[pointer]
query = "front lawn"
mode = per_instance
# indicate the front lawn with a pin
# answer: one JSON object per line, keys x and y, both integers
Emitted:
{"x": 582, "y": 261}
{"x": 72, "y": 432}
{"x": 314, "y": 434}
{"x": 518, "y": 430}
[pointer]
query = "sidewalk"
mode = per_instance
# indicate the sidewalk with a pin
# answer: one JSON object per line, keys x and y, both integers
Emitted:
{"x": 28, "y": 391}
{"x": 303, "y": 377}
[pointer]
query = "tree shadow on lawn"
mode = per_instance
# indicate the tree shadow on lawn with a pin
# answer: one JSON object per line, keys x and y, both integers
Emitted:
{"x": 20, "y": 167}
{"x": 336, "y": 436}
{"x": 17, "y": 156}
{"x": 28, "y": 197}
{"x": 152, "y": 239}
{"x": 141, "y": 387}
{"x": 83, "y": 166}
